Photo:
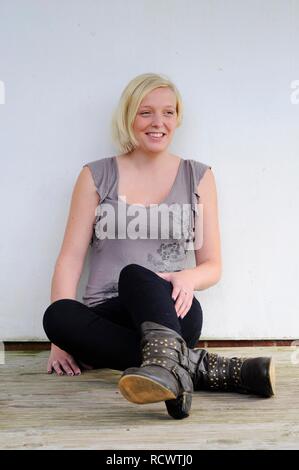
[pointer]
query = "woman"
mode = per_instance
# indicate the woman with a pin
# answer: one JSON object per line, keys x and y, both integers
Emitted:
{"x": 139, "y": 314}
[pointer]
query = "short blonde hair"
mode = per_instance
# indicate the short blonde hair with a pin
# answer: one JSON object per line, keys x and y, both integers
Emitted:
{"x": 131, "y": 97}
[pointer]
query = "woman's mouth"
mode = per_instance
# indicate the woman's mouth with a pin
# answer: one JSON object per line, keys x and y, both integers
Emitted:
{"x": 155, "y": 136}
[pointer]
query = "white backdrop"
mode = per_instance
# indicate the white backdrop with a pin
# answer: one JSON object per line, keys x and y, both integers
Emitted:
{"x": 63, "y": 65}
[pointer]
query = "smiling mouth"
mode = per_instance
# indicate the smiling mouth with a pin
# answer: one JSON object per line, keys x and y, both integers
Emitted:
{"x": 157, "y": 135}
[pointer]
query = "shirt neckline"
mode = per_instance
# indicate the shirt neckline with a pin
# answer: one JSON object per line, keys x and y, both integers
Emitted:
{"x": 142, "y": 205}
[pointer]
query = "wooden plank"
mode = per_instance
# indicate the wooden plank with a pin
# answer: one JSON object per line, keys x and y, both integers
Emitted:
{"x": 213, "y": 343}
{"x": 42, "y": 411}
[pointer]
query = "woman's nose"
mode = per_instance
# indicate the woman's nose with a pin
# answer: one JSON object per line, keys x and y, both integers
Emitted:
{"x": 157, "y": 120}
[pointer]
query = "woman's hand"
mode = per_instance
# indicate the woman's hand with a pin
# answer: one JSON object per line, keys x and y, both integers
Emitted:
{"x": 62, "y": 362}
{"x": 183, "y": 288}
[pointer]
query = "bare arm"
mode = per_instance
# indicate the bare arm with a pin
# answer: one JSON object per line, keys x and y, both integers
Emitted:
{"x": 206, "y": 247}
{"x": 71, "y": 258}
{"x": 208, "y": 256}
{"x": 78, "y": 233}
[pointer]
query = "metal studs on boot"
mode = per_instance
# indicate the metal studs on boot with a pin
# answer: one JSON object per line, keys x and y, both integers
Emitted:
{"x": 237, "y": 374}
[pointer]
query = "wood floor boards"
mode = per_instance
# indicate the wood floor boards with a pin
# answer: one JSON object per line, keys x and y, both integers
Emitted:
{"x": 41, "y": 411}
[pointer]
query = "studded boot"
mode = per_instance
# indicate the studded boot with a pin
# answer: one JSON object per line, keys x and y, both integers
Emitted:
{"x": 214, "y": 373}
{"x": 164, "y": 373}
{"x": 237, "y": 374}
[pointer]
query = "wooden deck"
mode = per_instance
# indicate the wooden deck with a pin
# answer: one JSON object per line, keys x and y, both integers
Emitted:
{"x": 41, "y": 411}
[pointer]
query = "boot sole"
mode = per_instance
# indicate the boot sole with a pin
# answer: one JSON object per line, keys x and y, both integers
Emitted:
{"x": 272, "y": 376}
{"x": 139, "y": 389}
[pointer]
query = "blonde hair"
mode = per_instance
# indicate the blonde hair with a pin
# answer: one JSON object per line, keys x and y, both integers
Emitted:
{"x": 131, "y": 97}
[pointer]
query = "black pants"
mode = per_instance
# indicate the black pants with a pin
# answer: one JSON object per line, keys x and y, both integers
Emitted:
{"x": 108, "y": 334}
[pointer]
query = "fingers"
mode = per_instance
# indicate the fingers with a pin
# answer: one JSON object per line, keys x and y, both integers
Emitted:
{"x": 175, "y": 292}
{"x": 57, "y": 368}
{"x": 49, "y": 367}
{"x": 183, "y": 303}
{"x": 69, "y": 367}
{"x": 76, "y": 369}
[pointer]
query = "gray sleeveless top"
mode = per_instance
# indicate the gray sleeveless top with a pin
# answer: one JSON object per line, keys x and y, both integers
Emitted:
{"x": 164, "y": 234}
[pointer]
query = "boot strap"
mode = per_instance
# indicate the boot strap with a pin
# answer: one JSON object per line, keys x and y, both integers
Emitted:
{"x": 170, "y": 354}
{"x": 223, "y": 373}
{"x": 164, "y": 348}
{"x": 179, "y": 372}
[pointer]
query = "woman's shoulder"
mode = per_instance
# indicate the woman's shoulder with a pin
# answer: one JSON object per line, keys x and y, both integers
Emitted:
{"x": 197, "y": 168}
{"x": 100, "y": 162}
{"x": 195, "y": 162}
{"x": 102, "y": 173}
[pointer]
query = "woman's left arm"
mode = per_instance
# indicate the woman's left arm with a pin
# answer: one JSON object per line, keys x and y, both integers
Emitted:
{"x": 206, "y": 247}
{"x": 207, "y": 236}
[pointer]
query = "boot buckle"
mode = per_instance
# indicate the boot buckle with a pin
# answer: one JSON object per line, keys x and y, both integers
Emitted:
{"x": 174, "y": 371}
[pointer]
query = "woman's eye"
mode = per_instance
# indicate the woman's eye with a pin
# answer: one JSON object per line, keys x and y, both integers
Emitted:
{"x": 146, "y": 112}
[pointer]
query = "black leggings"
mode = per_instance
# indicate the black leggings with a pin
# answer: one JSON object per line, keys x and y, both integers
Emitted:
{"x": 108, "y": 334}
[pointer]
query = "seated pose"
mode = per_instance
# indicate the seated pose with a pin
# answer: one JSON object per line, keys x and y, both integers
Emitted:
{"x": 141, "y": 212}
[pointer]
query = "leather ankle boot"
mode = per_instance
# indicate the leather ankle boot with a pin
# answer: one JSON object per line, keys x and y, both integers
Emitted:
{"x": 163, "y": 375}
{"x": 212, "y": 372}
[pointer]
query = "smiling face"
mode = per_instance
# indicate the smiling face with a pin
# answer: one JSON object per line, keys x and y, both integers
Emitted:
{"x": 156, "y": 120}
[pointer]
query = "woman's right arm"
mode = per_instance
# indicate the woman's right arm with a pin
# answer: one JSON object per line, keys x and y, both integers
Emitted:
{"x": 70, "y": 261}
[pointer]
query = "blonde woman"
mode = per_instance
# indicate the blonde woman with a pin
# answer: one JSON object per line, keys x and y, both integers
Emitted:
{"x": 141, "y": 211}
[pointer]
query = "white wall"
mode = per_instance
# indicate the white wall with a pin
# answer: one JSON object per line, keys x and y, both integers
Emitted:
{"x": 64, "y": 65}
